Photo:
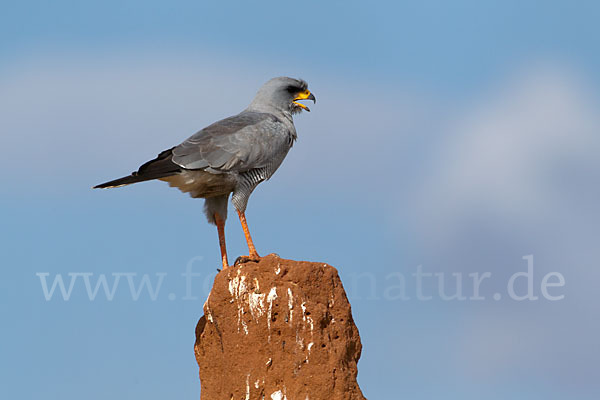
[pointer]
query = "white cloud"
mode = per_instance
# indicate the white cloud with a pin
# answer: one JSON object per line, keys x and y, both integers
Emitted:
{"x": 85, "y": 112}
{"x": 511, "y": 160}
{"x": 518, "y": 173}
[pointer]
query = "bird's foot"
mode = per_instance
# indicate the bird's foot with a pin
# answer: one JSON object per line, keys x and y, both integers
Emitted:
{"x": 245, "y": 259}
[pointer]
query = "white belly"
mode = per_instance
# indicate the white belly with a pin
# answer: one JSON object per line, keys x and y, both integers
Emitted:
{"x": 201, "y": 183}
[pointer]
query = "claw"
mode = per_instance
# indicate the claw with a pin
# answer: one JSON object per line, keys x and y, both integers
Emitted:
{"x": 245, "y": 259}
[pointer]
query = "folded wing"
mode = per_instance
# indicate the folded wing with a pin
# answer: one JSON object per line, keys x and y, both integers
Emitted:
{"x": 236, "y": 144}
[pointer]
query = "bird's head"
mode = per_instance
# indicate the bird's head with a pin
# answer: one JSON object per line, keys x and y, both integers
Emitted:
{"x": 283, "y": 94}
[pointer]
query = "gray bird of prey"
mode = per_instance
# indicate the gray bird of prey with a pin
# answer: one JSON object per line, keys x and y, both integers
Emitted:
{"x": 233, "y": 155}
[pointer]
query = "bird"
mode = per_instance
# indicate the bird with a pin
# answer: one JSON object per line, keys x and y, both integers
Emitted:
{"x": 231, "y": 156}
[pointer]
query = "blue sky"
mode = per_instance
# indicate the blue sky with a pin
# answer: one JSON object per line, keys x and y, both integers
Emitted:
{"x": 455, "y": 136}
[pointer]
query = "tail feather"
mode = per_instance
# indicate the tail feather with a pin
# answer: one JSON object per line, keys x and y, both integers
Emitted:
{"x": 161, "y": 167}
{"x": 128, "y": 180}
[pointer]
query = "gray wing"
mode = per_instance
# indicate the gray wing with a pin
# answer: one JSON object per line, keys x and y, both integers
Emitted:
{"x": 235, "y": 144}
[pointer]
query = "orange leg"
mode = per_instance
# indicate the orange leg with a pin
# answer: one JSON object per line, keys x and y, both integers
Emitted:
{"x": 221, "y": 230}
{"x": 252, "y": 250}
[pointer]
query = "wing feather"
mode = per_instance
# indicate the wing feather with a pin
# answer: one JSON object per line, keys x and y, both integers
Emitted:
{"x": 236, "y": 144}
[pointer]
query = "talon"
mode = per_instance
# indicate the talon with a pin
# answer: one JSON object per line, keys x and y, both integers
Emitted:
{"x": 245, "y": 259}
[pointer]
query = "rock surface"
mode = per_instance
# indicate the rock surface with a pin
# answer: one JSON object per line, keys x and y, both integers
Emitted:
{"x": 278, "y": 330}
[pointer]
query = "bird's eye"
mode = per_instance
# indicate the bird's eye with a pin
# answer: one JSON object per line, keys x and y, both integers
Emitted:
{"x": 293, "y": 89}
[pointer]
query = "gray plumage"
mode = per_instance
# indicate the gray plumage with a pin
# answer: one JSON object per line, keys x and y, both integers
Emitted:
{"x": 233, "y": 155}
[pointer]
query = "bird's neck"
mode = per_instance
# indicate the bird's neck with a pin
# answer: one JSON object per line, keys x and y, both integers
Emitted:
{"x": 284, "y": 115}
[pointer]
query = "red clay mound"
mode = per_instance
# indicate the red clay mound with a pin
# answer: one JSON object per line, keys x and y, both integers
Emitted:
{"x": 278, "y": 329}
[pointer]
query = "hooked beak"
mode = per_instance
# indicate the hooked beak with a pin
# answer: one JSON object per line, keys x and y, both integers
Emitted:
{"x": 306, "y": 95}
